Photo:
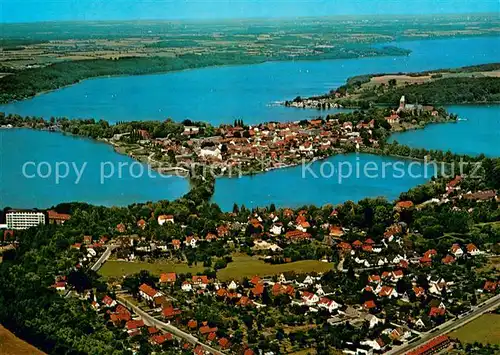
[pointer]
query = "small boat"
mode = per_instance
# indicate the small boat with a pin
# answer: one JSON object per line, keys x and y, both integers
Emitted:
{"x": 462, "y": 119}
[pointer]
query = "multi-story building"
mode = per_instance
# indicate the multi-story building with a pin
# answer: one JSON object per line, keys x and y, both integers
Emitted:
{"x": 24, "y": 219}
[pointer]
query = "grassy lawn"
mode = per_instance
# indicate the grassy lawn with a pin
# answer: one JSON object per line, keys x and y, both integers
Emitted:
{"x": 12, "y": 345}
{"x": 116, "y": 268}
{"x": 247, "y": 266}
{"x": 485, "y": 329}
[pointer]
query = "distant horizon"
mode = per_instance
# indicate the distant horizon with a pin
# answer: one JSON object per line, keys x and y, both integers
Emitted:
{"x": 248, "y": 19}
{"x": 33, "y": 11}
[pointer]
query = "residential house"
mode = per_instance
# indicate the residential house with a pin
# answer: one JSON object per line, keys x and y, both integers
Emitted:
{"x": 186, "y": 286}
{"x": 277, "y": 228}
{"x": 309, "y": 298}
{"x": 490, "y": 286}
{"x": 373, "y": 320}
{"x": 162, "y": 219}
{"x": 168, "y": 278}
{"x": 108, "y": 302}
{"x": 456, "y": 250}
{"x": 387, "y": 291}
{"x": 328, "y": 304}
{"x": 148, "y": 293}
{"x": 200, "y": 281}
{"x": 473, "y": 250}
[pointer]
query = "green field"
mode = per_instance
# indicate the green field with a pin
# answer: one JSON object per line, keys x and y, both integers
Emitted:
{"x": 241, "y": 266}
{"x": 247, "y": 266}
{"x": 485, "y": 329}
{"x": 116, "y": 268}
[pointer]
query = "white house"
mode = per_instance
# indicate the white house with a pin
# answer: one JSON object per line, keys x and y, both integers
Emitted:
{"x": 148, "y": 293}
{"x": 308, "y": 280}
{"x": 420, "y": 323}
{"x": 456, "y": 251}
{"x": 191, "y": 241}
{"x": 214, "y": 152}
{"x": 309, "y": 299}
{"x": 164, "y": 219}
{"x": 276, "y": 229}
{"x": 372, "y": 344}
{"x": 186, "y": 286}
{"x": 328, "y": 304}
{"x": 473, "y": 250}
{"x": 232, "y": 286}
{"x": 373, "y": 321}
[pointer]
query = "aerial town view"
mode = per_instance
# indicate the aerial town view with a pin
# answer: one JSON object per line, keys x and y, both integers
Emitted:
{"x": 249, "y": 177}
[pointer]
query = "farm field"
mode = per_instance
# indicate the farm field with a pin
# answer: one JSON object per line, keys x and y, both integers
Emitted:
{"x": 247, "y": 266}
{"x": 117, "y": 268}
{"x": 12, "y": 345}
{"x": 485, "y": 329}
{"x": 242, "y": 266}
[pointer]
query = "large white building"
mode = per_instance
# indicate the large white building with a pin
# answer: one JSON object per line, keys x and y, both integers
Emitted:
{"x": 24, "y": 219}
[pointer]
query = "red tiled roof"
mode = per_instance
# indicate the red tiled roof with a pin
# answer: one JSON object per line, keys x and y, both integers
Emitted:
{"x": 58, "y": 216}
{"x": 245, "y": 301}
{"x": 224, "y": 343}
{"x": 344, "y": 246}
{"x": 148, "y": 290}
{"x": 404, "y": 204}
{"x": 255, "y": 280}
{"x": 160, "y": 339}
{"x": 202, "y": 279}
{"x": 221, "y": 292}
{"x": 419, "y": 291}
{"x": 367, "y": 248}
{"x": 258, "y": 290}
{"x": 369, "y": 304}
{"x": 490, "y": 286}
{"x": 169, "y": 312}
{"x": 206, "y": 330}
{"x": 448, "y": 259}
{"x": 357, "y": 243}
{"x": 436, "y": 311}
{"x": 431, "y": 344}
{"x": 153, "y": 330}
{"x": 385, "y": 291}
{"x": 471, "y": 247}
{"x": 168, "y": 277}
{"x": 296, "y": 234}
{"x": 134, "y": 324}
{"x": 108, "y": 301}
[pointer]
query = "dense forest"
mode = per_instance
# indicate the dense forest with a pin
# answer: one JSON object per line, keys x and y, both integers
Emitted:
{"x": 446, "y": 86}
{"x": 442, "y": 91}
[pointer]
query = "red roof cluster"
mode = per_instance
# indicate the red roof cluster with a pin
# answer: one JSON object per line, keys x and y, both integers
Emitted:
{"x": 297, "y": 235}
{"x": 430, "y": 345}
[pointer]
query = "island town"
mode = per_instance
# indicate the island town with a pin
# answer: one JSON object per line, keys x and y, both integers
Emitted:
{"x": 238, "y": 149}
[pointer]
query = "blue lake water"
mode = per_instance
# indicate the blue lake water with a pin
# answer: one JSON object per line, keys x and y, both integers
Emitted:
{"x": 17, "y": 189}
{"x": 478, "y": 131}
{"x": 222, "y": 94}
{"x": 333, "y": 180}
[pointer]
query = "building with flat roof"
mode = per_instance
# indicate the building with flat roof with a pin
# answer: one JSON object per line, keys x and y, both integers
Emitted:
{"x": 24, "y": 219}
